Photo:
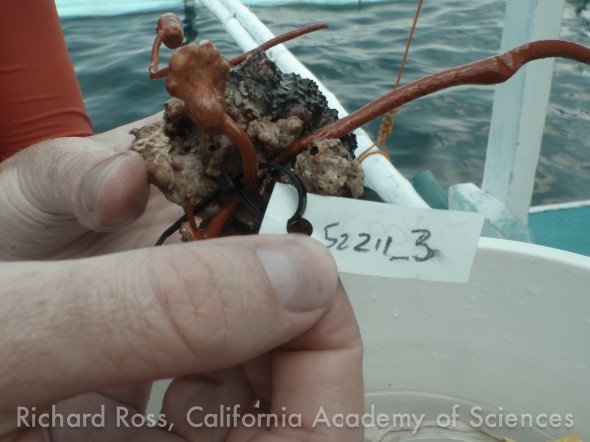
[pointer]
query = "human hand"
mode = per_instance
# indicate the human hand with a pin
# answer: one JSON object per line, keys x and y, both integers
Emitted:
{"x": 234, "y": 320}
{"x": 98, "y": 330}
{"x": 74, "y": 197}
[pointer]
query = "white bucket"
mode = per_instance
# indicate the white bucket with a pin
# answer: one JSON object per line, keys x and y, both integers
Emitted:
{"x": 513, "y": 343}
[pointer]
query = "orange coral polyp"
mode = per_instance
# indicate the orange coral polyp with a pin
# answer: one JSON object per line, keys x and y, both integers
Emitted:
{"x": 197, "y": 75}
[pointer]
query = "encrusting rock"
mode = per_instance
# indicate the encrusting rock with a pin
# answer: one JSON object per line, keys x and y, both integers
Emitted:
{"x": 275, "y": 110}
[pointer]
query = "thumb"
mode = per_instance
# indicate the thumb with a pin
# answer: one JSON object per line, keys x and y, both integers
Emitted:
{"x": 160, "y": 312}
{"x": 113, "y": 193}
{"x": 103, "y": 190}
{"x": 55, "y": 191}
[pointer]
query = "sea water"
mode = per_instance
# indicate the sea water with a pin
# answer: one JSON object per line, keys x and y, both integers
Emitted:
{"x": 358, "y": 59}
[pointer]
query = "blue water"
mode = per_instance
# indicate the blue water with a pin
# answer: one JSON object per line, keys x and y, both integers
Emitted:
{"x": 358, "y": 59}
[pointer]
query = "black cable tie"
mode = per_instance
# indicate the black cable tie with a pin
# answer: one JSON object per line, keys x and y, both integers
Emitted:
{"x": 249, "y": 205}
{"x": 228, "y": 183}
{"x": 301, "y": 193}
{"x": 198, "y": 207}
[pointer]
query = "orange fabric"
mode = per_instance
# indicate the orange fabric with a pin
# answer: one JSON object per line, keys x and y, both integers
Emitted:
{"x": 40, "y": 97}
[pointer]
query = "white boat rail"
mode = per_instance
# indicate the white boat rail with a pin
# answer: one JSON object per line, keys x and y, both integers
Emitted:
{"x": 249, "y": 32}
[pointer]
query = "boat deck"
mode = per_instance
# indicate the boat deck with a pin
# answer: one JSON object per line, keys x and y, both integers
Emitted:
{"x": 562, "y": 226}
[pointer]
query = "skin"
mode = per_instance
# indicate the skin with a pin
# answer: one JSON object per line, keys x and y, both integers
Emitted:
{"x": 91, "y": 313}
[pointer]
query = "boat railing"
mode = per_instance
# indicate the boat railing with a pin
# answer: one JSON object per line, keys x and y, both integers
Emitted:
{"x": 248, "y": 32}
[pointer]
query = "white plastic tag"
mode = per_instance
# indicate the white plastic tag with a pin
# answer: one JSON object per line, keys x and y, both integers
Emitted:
{"x": 377, "y": 239}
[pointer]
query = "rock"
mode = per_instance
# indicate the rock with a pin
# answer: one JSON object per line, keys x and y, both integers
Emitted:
{"x": 275, "y": 110}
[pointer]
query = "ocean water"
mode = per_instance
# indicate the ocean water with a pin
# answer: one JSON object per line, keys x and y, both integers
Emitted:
{"x": 358, "y": 59}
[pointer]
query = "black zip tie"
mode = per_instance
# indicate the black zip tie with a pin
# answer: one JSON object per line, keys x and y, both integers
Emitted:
{"x": 198, "y": 207}
{"x": 249, "y": 205}
{"x": 301, "y": 193}
{"x": 226, "y": 183}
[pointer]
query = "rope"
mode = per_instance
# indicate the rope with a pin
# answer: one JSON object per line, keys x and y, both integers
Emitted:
{"x": 387, "y": 124}
{"x": 368, "y": 152}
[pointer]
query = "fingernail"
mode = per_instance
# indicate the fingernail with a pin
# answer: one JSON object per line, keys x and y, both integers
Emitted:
{"x": 94, "y": 179}
{"x": 302, "y": 272}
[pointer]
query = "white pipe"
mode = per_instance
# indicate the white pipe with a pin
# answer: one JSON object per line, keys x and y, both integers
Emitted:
{"x": 248, "y": 32}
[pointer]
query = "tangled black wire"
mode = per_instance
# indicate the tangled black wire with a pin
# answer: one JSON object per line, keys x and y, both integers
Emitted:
{"x": 229, "y": 183}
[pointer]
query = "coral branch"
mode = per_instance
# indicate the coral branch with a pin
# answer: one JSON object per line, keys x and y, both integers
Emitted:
{"x": 490, "y": 70}
{"x": 244, "y": 144}
{"x": 220, "y": 219}
{"x": 278, "y": 40}
{"x": 169, "y": 29}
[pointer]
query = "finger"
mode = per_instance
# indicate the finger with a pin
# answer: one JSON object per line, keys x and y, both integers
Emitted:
{"x": 155, "y": 313}
{"x": 55, "y": 190}
{"x": 317, "y": 380}
{"x": 143, "y": 232}
{"x": 201, "y": 406}
{"x": 114, "y": 193}
{"x": 304, "y": 388}
{"x": 134, "y": 396}
{"x": 52, "y": 193}
{"x": 95, "y": 417}
{"x": 81, "y": 179}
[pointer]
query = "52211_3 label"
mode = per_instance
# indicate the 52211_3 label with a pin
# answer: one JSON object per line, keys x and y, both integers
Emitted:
{"x": 386, "y": 240}
{"x": 374, "y": 243}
